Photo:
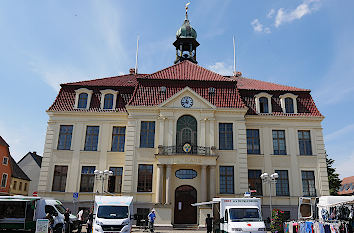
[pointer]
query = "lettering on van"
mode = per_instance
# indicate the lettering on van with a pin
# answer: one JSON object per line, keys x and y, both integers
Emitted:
{"x": 235, "y": 201}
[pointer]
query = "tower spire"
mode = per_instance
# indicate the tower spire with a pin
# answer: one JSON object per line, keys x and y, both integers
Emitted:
{"x": 186, "y": 41}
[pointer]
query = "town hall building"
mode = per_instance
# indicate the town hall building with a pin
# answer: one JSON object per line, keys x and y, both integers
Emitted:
{"x": 183, "y": 135}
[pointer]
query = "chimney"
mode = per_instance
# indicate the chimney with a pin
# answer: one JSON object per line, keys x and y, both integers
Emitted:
{"x": 132, "y": 71}
{"x": 34, "y": 152}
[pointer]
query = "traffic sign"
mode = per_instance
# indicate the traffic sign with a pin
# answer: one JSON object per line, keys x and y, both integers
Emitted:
{"x": 35, "y": 194}
{"x": 76, "y": 196}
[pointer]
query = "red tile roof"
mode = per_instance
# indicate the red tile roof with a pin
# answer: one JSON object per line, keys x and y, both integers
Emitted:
{"x": 3, "y": 142}
{"x": 148, "y": 93}
{"x": 253, "y": 84}
{"x": 187, "y": 70}
{"x": 128, "y": 80}
{"x": 347, "y": 186}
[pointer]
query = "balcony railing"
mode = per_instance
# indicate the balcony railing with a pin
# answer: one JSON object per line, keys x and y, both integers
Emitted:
{"x": 181, "y": 150}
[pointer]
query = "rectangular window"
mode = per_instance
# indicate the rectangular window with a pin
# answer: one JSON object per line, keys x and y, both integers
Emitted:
{"x": 147, "y": 134}
{"x": 65, "y": 135}
{"x": 115, "y": 181}
{"x": 145, "y": 178}
{"x": 3, "y": 180}
{"x": 253, "y": 146}
{"x": 226, "y": 179}
{"x": 118, "y": 139}
{"x": 225, "y": 136}
{"x": 15, "y": 185}
{"x": 87, "y": 178}
{"x": 91, "y": 140}
{"x": 20, "y": 186}
{"x": 305, "y": 142}
{"x": 279, "y": 145}
{"x": 25, "y": 188}
{"x": 5, "y": 160}
{"x": 255, "y": 182}
{"x": 282, "y": 185}
{"x": 59, "y": 178}
{"x": 308, "y": 183}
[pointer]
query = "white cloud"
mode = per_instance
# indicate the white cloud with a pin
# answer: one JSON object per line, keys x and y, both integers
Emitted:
{"x": 271, "y": 13}
{"x": 287, "y": 16}
{"x": 258, "y": 27}
{"x": 349, "y": 129}
{"x": 221, "y": 68}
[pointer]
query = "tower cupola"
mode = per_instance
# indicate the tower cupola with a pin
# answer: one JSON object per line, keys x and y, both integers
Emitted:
{"x": 186, "y": 42}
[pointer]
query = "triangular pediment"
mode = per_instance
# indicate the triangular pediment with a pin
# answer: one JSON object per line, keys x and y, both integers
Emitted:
{"x": 175, "y": 101}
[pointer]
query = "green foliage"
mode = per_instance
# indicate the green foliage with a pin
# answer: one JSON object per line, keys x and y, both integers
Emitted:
{"x": 278, "y": 217}
{"x": 333, "y": 177}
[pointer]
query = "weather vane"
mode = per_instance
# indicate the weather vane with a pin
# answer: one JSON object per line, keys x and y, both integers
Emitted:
{"x": 189, "y": 2}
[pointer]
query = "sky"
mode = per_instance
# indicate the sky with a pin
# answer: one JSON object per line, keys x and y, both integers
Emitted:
{"x": 303, "y": 43}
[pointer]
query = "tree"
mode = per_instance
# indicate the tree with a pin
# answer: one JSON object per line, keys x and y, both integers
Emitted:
{"x": 333, "y": 177}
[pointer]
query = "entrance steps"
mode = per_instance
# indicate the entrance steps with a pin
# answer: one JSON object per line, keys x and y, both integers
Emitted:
{"x": 185, "y": 226}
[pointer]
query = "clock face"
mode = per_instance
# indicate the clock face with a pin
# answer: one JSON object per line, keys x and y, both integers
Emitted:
{"x": 187, "y": 102}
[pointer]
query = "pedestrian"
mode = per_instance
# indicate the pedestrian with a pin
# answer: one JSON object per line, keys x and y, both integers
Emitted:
{"x": 81, "y": 220}
{"x": 209, "y": 223}
{"x": 151, "y": 218}
{"x": 90, "y": 221}
{"x": 50, "y": 218}
{"x": 67, "y": 220}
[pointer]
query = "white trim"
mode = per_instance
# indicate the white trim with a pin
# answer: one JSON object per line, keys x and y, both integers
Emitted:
{"x": 282, "y": 101}
{"x": 109, "y": 91}
{"x": 89, "y": 95}
{"x": 7, "y": 176}
{"x": 266, "y": 95}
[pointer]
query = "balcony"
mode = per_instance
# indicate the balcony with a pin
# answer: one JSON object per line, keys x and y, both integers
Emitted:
{"x": 187, "y": 150}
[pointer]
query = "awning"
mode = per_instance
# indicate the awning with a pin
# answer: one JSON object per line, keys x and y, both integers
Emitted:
{"x": 204, "y": 203}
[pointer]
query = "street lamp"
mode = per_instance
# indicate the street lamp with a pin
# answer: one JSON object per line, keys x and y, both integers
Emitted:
{"x": 271, "y": 179}
{"x": 102, "y": 176}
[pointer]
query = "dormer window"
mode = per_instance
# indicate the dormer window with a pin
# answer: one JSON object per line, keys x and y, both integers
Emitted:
{"x": 263, "y": 102}
{"x": 108, "y": 99}
{"x": 263, "y": 105}
{"x": 288, "y": 103}
{"x": 83, "y": 98}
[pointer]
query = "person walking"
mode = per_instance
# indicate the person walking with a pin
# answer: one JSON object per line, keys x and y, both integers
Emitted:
{"x": 90, "y": 222}
{"x": 67, "y": 220}
{"x": 209, "y": 223}
{"x": 151, "y": 218}
{"x": 81, "y": 220}
{"x": 51, "y": 222}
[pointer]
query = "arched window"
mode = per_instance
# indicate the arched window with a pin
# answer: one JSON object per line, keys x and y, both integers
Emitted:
{"x": 263, "y": 105}
{"x": 82, "y": 103}
{"x": 186, "y": 134}
{"x": 108, "y": 101}
{"x": 289, "y": 105}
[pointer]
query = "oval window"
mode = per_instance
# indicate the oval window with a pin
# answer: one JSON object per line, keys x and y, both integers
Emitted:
{"x": 186, "y": 174}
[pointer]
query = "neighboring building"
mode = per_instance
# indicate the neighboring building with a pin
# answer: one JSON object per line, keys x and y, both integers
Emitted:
{"x": 19, "y": 180}
{"x": 347, "y": 186}
{"x": 5, "y": 168}
{"x": 182, "y": 135}
{"x": 31, "y": 165}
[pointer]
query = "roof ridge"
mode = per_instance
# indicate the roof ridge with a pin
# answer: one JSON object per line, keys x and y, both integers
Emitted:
{"x": 273, "y": 83}
{"x": 99, "y": 79}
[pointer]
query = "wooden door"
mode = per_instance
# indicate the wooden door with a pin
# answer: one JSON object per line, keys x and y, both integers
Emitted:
{"x": 185, "y": 213}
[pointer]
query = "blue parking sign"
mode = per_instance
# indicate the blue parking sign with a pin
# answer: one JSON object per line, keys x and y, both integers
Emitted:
{"x": 75, "y": 195}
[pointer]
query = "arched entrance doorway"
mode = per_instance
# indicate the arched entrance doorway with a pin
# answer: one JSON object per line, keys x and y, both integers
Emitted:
{"x": 186, "y": 134}
{"x": 185, "y": 213}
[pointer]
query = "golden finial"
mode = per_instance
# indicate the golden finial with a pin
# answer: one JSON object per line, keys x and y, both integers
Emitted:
{"x": 189, "y": 2}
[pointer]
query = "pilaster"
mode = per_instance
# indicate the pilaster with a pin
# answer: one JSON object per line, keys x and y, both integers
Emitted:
{"x": 128, "y": 170}
{"x": 203, "y": 184}
{"x": 212, "y": 177}
{"x": 168, "y": 185}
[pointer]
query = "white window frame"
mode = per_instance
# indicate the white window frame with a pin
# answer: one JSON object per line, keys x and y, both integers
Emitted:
{"x": 7, "y": 176}
{"x": 282, "y": 102}
{"x": 7, "y": 160}
{"x": 89, "y": 95}
{"x": 266, "y": 95}
{"x": 109, "y": 91}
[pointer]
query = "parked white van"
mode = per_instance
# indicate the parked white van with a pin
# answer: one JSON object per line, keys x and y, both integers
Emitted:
{"x": 113, "y": 214}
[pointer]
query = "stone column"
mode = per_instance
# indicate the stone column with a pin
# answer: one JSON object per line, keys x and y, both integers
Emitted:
{"x": 159, "y": 183}
{"x": 162, "y": 130}
{"x": 203, "y": 184}
{"x": 211, "y": 132}
{"x": 168, "y": 185}
{"x": 202, "y": 133}
{"x": 212, "y": 182}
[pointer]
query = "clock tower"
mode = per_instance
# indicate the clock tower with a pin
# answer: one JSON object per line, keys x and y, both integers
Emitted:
{"x": 186, "y": 42}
